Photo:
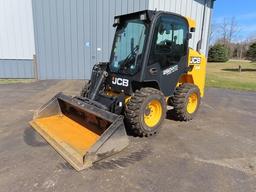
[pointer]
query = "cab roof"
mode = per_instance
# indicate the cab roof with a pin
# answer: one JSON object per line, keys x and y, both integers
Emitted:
{"x": 150, "y": 14}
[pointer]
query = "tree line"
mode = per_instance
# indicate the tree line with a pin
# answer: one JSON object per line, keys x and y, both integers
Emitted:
{"x": 225, "y": 44}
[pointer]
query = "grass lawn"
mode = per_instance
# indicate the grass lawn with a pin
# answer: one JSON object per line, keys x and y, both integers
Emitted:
{"x": 220, "y": 75}
{"x": 226, "y": 75}
{"x": 9, "y": 81}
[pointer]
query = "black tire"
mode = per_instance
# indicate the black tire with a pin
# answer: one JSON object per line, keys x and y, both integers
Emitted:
{"x": 137, "y": 107}
{"x": 180, "y": 101}
{"x": 85, "y": 89}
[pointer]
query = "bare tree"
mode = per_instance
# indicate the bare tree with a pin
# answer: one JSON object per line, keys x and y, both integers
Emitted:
{"x": 224, "y": 31}
{"x": 227, "y": 33}
{"x": 252, "y": 38}
{"x": 228, "y": 30}
{"x": 213, "y": 32}
{"x": 233, "y": 29}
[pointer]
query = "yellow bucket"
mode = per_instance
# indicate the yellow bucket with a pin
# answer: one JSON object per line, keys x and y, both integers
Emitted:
{"x": 80, "y": 131}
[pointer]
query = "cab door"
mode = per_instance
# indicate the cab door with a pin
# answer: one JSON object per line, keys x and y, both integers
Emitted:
{"x": 169, "y": 52}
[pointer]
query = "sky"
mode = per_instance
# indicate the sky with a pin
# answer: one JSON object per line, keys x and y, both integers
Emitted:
{"x": 243, "y": 10}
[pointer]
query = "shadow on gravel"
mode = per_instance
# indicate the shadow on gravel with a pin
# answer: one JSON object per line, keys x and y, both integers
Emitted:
{"x": 114, "y": 163}
{"x": 65, "y": 166}
{"x": 30, "y": 137}
{"x": 122, "y": 162}
{"x": 171, "y": 116}
{"x": 243, "y": 70}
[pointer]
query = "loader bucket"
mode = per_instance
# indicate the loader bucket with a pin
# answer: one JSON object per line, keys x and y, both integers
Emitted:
{"x": 80, "y": 132}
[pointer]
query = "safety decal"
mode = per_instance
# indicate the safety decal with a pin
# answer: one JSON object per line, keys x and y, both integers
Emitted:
{"x": 170, "y": 70}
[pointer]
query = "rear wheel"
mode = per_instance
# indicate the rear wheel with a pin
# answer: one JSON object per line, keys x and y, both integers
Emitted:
{"x": 146, "y": 111}
{"x": 186, "y": 101}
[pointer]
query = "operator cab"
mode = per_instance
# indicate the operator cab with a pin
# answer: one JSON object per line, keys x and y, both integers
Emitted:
{"x": 149, "y": 48}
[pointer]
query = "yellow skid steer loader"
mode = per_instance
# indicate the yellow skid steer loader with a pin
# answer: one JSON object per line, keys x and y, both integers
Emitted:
{"x": 151, "y": 66}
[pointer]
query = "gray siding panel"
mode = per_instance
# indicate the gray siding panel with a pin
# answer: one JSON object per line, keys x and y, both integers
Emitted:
{"x": 54, "y": 41}
{"x": 11, "y": 68}
{"x": 61, "y": 38}
{"x": 72, "y": 35}
{"x": 87, "y": 63}
{"x": 80, "y": 38}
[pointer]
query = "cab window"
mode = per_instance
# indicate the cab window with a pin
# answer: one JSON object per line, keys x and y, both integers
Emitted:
{"x": 170, "y": 41}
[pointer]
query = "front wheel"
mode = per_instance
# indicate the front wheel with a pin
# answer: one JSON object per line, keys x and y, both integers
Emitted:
{"x": 146, "y": 111}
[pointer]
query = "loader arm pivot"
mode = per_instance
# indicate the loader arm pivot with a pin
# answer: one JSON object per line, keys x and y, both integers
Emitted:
{"x": 98, "y": 77}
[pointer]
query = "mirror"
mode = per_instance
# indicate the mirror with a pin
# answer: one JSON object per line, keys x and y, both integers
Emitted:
{"x": 192, "y": 29}
{"x": 199, "y": 46}
{"x": 116, "y": 22}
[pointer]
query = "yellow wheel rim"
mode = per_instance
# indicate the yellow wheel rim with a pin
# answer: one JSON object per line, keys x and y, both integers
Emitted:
{"x": 153, "y": 113}
{"x": 192, "y": 103}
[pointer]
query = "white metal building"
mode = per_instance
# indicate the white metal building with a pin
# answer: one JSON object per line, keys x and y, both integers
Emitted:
{"x": 16, "y": 39}
{"x": 69, "y": 36}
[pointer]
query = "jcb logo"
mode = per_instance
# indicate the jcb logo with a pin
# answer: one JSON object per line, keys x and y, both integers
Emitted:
{"x": 120, "y": 82}
{"x": 195, "y": 60}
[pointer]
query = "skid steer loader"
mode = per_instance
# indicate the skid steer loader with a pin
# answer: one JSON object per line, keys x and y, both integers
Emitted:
{"x": 151, "y": 66}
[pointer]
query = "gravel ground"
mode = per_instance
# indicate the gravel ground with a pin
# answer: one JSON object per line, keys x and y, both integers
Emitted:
{"x": 214, "y": 152}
